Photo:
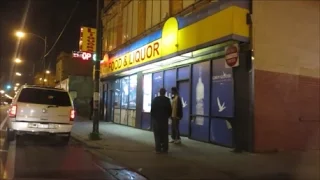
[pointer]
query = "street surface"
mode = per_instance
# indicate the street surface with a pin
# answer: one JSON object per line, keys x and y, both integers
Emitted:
{"x": 44, "y": 157}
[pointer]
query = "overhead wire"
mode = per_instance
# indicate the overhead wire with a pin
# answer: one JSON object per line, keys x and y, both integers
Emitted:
{"x": 66, "y": 24}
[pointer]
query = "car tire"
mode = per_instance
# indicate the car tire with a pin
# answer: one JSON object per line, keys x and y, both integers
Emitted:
{"x": 66, "y": 138}
{"x": 11, "y": 135}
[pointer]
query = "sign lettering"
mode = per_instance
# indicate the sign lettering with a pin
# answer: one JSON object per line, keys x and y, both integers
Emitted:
{"x": 88, "y": 39}
{"x": 86, "y": 56}
{"x": 144, "y": 54}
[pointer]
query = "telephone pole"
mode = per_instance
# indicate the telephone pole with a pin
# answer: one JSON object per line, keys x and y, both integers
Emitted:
{"x": 95, "y": 135}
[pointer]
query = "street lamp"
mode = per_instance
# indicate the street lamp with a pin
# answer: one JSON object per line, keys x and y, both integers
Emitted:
{"x": 47, "y": 71}
{"x": 2, "y": 91}
{"x": 20, "y": 34}
{"x": 18, "y": 74}
{"x": 17, "y": 84}
{"x": 17, "y": 60}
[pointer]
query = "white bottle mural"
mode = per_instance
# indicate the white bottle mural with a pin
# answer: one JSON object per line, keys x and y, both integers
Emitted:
{"x": 200, "y": 99}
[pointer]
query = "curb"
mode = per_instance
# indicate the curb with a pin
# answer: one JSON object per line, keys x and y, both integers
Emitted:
{"x": 94, "y": 150}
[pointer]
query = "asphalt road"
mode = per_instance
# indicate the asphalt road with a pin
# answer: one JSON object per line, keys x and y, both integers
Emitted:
{"x": 44, "y": 157}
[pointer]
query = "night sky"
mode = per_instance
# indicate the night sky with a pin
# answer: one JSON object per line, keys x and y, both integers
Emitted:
{"x": 44, "y": 18}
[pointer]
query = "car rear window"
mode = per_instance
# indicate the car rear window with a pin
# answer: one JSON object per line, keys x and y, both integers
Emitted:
{"x": 44, "y": 96}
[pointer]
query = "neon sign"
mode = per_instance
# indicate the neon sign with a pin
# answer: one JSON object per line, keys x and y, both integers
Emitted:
{"x": 86, "y": 56}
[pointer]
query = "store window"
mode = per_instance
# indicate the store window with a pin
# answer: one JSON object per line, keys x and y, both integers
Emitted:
{"x": 117, "y": 94}
{"x": 169, "y": 81}
{"x": 222, "y": 90}
{"x": 147, "y": 92}
{"x": 157, "y": 83}
{"x": 133, "y": 92}
{"x": 156, "y": 12}
{"x": 124, "y": 92}
{"x": 116, "y": 101}
{"x": 124, "y": 100}
{"x": 200, "y": 91}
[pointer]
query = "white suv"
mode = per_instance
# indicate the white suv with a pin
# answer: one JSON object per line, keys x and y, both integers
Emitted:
{"x": 37, "y": 109}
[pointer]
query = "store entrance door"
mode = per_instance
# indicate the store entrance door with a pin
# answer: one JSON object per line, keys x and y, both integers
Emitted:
{"x": 184, "y": 91}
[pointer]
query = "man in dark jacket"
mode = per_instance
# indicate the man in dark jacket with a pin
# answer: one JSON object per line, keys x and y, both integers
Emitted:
{"x": 176, "y": 116}
{"x": 160, "y": 114}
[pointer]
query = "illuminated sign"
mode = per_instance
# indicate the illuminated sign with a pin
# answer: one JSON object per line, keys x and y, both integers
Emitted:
{"x": 86, "y": 56}
{"x": 141, "y": 55}
{"x": 177, "y": 36}
{"x": 87, "y": 41}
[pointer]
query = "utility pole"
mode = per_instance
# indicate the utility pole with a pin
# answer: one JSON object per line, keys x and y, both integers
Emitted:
{"x": 95, "y": 135}
{"x": 44, "y": 59}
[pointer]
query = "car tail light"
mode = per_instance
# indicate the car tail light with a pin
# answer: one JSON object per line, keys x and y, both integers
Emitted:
{"x": 72, "y": 114}
{"x": 13, "y": 111}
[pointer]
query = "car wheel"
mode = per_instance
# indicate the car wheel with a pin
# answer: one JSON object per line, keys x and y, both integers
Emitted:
{"x": 65, "y": 139}
{"x": 11, "y": 135}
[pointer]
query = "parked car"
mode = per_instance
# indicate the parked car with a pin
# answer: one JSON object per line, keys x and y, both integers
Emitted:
{"x": 41, "y": 110}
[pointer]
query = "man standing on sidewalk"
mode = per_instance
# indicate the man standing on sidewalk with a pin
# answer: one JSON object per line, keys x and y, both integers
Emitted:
{"x": 176, "y": 116}
{"x": 160, "y": 114}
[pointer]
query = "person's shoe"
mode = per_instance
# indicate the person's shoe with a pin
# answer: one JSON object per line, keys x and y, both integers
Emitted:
{"x": 172, "y": 141}
{"x": 177, "y": 141}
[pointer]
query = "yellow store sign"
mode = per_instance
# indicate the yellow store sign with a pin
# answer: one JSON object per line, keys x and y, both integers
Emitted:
{"x": 144, "y": 54}
{"x": 221, "y": 26}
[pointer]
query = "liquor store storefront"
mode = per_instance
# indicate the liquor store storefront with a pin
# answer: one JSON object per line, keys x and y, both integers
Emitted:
{"x": 187, "y": 53}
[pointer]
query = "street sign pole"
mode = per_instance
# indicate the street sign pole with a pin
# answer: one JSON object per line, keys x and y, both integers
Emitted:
{"x": 95, "y": 135}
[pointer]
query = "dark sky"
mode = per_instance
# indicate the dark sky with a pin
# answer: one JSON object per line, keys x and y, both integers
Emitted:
{"x": 44, "y": 18}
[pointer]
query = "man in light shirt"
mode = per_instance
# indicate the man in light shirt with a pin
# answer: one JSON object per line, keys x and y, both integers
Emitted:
{"x": 176, "y": 116}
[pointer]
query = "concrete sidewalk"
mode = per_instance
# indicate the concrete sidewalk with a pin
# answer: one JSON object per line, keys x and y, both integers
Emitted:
{"x": 134, "y": 148}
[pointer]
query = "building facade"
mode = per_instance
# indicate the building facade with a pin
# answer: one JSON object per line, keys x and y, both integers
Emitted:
{"x": 286, "y": 82}
{"x": 44, "y": 79}
{"x": 66, "y": 65}
{"x": 182, "y": 43}
{"x": 268, "y": 101}
{"x": 74, "y": 74}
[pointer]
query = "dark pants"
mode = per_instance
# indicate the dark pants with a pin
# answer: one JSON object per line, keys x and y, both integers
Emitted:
{"x": 175, "y": 131}
{"x": 160, "y": 130}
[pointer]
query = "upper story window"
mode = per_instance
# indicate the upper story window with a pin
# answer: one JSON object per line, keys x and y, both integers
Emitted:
{"x": 111, "y": 24}
{"x": 130, "y": 20}
{"x": 156, "y": 12}
{"x": 187, "y": 3}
